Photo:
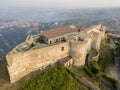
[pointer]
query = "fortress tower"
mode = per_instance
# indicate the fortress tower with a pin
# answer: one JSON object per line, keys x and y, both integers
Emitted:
{"x": 78, "y": 51}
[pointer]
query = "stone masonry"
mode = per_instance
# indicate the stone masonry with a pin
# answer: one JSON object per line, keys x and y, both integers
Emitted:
{"x": 32, "y": 55}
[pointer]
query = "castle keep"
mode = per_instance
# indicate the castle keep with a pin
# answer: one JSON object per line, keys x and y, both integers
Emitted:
{"x": 68, "y": 45}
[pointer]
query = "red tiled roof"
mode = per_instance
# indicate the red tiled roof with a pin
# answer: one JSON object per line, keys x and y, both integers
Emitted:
{"x": 59, "y": 31}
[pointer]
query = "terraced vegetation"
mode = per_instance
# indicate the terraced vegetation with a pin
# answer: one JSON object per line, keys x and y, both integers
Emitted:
{"x": 58, "y": 78}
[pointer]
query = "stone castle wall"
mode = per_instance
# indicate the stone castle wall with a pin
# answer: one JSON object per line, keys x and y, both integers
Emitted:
{"x": 96, "y": 40}
{"x": 20, "y": 64}
{"x": 97, "y": 34}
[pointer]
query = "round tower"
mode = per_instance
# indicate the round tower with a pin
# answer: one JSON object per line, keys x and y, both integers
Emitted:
{"x": 78, "y": 51}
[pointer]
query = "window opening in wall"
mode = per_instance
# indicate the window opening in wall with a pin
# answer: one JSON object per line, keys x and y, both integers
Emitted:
{"x": 80, "y": 39}
{"x": 79, "y": 30}
{"x": 62, "y": 48}
{"x": 56, "y": 40}
{"x": 63, "y": 39}
{"x": 50, "y": 42}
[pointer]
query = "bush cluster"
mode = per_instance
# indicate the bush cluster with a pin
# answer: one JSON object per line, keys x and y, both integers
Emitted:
{"x": 56, "y": 79}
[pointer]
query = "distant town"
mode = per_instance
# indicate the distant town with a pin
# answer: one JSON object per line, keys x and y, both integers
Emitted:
{"x": 16, "y": 23}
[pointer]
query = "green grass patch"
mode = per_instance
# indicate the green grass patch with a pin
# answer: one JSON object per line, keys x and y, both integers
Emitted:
{"x": 88, "y": 71}
{"x": 57, "y": 78}
{"x": 95, "y": 68}
{"x": 106, "y": 57}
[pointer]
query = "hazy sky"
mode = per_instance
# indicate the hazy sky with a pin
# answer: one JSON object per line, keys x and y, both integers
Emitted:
{"x": 60, "y": 3}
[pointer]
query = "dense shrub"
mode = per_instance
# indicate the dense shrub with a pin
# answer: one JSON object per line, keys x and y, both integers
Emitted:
{"x": 103, "y": 63}
{"x": 88, "y": 71}
{"x": 94, "y": 67}
{"x": 56, "y": 79}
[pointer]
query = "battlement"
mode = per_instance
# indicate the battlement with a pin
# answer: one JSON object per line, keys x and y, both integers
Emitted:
{"x": 49, "y": 47}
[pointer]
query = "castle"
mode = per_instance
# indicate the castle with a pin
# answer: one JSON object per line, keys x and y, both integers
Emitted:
{"x": 68, "y": 45}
